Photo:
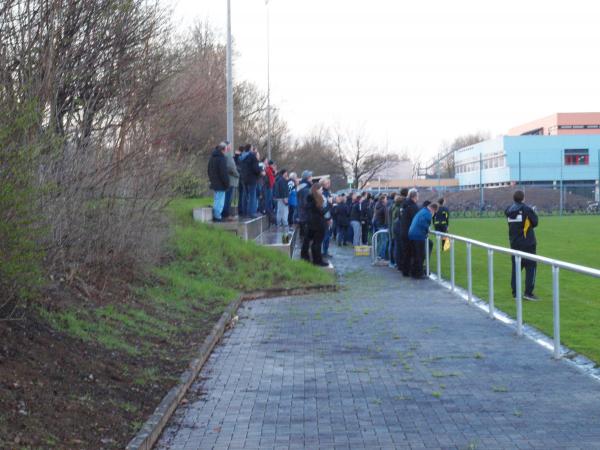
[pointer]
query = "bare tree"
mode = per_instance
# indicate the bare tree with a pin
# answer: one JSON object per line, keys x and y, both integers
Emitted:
{"x": 443, "y": 163}
{"x": 359, "y": 159}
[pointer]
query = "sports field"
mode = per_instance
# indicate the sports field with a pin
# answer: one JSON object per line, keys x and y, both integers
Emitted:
{"x": 573, "y": 239}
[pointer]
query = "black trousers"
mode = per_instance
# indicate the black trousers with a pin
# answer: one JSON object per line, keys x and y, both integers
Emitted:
{"x": 305, "y": 242}
{"x": 406, "y": 256}
{"x": 398, "y": 253}
{"x": 530, "y": 272}
{"x": 365, "y": 232}
{"x": 316, "y": 244}
{"x": 418, "y": 267}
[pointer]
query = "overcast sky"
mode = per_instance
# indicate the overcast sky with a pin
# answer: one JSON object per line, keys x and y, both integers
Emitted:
{"x": 415, "y": 73}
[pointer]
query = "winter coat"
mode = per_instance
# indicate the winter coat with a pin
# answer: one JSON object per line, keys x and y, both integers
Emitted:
{"x": 521, "y": 222}
{"x": 342, "y": 214}
{"x": 280, "y": 191}
{"x": 380, "y": 216}
{"x": 303, "y": 190}
{"x": 217, "y": 171}
{"x": 315, "y": 215}
{"x": 250, "y": 169}
{"x": 395, "y": 218}
{"x": 234, "y": 175}
{"x": 365, "y": 215}
{"x": 419, "y": 228}
{"x": 292, "y": 194}
{"x": 355, "y": 212}
{"x": 408, "y": 211}
{"x": 270, "y": 174}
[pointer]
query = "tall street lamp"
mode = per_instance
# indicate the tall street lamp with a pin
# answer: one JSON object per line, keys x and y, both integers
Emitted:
{"x": 229, "y": 79}
{"x": 268, "y": 80}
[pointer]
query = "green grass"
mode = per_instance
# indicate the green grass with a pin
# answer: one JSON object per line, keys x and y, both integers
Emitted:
{"x": 573, "y": 239}
{"x": 208, "y": 269}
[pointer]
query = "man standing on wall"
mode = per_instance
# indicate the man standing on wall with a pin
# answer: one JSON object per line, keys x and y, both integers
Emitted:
{"x": 219, "y": 179}
{"x": 522, "y": 219}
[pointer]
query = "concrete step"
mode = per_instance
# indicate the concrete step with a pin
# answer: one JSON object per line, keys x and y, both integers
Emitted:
{"x": 248, "y": 229}
{"x": 274, "y": 238}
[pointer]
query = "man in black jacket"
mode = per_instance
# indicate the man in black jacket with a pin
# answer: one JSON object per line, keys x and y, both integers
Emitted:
{"x": 365, "y": 219}
{"x": 280, "y": 194}
{"x": 219, "y": 178}
{"x": 303, "y": 190}
{"x": 408, "y": 211}
{"x": 441, "y": 219}
{"x": 521, "y": 221}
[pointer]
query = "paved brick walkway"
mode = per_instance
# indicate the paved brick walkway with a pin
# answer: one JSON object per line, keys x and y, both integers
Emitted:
{"x": 386, "y": 363}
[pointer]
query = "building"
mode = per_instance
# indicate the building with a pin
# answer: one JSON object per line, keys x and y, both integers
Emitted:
{"x": 560, "y": 124}
{"x": 545, "y": 152}
{"x": 401, "y": 175}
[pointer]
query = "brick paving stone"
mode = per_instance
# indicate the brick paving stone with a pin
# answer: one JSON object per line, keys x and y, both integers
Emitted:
{"x": 387, "y": 363}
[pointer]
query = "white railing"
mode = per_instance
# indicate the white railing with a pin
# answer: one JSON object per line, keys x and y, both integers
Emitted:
{"x": 375, "y": 242}
{"x": 519, "y": 256}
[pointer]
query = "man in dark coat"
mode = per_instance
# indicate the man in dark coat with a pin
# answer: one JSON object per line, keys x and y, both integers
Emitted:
{"x": 522, "y": 219}
{"x": 407, "y": 212}
{"x": 219, "y": 179}
{"x": 280, "y": 194}
{"x": 251, "y": 172}
{"x": 441, "y": 219}
{"x": 303, "y": 190}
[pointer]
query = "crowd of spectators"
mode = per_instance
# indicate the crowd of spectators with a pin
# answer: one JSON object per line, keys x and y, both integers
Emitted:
{"x": 321, "y": 216}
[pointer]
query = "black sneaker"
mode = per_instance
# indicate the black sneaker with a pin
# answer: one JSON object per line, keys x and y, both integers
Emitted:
{"x": 531, "y": 297}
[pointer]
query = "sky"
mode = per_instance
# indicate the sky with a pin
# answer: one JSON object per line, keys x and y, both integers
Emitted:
{"x": 413, "y": 74}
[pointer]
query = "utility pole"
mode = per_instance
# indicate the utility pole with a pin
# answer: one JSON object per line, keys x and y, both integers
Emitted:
{"x": 229, "y": 79}
{"x": 268, "y": 80}
{"x": 480, "y": 184}
{"x": 561, "y": 184}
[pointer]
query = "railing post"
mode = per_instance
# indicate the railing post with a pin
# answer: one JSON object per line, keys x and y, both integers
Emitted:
{"x": 556, "y": 312}
{"x": 427, "y": 271}
{"x": 491, "y": 281}
{"x": 519, "y": 295}
{"x": 374, "y": 248}
{"x": 452, "y": 271}
{"x": 438, "y": 255}
{"x": 469, "y": 273}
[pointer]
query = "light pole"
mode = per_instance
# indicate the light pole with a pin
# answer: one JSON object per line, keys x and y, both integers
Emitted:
{"x": 229, "y": 79}
{"x": 268, "y": 80}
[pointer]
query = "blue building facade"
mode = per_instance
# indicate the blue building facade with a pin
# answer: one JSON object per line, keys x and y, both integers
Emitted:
{"x": 537, "y": 160}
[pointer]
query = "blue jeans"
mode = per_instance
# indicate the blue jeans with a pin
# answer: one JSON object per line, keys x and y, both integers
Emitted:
{"x": 326, "y": 240}
{"x": 250, "y": 199}
{"x": 241, "y": 200}
{"x": 218, "y": 204}
{"x": 382, "y": 241}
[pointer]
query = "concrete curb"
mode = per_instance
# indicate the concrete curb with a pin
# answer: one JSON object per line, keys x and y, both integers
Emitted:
{"x": 154, "y": 426}
{"x": 152, "y": 429}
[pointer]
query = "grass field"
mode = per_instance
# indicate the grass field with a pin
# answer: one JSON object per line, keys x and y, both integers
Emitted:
{"x": 571, "y": 239}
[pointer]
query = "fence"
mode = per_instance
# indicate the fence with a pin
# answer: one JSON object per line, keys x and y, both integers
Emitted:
{"x": 556, "y": 266}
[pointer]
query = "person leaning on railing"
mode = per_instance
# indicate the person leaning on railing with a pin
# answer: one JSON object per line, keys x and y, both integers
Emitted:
{"x": 418, "y": 234}
{"x": 522, "y": 219}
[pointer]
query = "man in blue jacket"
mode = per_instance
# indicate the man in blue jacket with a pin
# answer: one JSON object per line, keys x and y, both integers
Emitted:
{"x": 417, "y": 233}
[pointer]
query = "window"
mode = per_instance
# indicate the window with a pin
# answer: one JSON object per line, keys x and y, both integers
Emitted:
{"x": 577, "y": 157}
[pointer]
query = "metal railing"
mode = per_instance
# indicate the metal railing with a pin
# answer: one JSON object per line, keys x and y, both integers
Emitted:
{"x": 519, "y": 256}
{"x": 375, "y": 243}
